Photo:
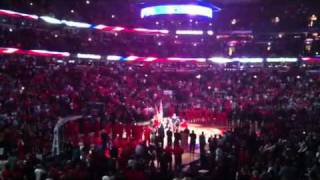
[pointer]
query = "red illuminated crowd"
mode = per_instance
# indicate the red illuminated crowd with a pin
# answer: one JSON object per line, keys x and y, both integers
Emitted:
{"x": 270, "y": 111}
{"x": 272, "y": 114}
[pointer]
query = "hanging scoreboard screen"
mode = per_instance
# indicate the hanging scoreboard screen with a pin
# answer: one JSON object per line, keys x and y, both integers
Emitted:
{"x": 179, "y": 9}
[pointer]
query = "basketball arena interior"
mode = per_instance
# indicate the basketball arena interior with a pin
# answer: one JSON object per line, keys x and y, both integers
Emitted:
{"x": 159, "y": 89}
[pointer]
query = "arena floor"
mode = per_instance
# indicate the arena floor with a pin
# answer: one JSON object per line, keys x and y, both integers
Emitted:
{"x": 209, "y": 130}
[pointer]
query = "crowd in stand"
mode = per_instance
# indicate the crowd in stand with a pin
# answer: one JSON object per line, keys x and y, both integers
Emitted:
{"x": 25, "y": 35}
{"x": 276, "y": 30}
{"x": 272, "y": 115}
{"x": 293, "y": 15}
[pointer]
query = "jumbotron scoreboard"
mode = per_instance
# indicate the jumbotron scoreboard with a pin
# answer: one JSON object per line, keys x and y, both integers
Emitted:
{"x": 187, "y": 8}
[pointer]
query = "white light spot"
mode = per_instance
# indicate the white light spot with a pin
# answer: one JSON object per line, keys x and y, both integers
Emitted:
{"x": 233, "y": 21}
{"x": 276, "y": 20}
